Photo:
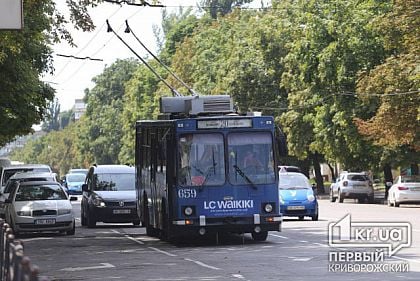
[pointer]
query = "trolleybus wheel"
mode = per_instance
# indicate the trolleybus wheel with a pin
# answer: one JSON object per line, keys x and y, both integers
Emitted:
{"x": 260, "y": 236}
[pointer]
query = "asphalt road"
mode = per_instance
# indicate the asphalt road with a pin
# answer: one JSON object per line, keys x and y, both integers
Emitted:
{"x": 300, "y": 252}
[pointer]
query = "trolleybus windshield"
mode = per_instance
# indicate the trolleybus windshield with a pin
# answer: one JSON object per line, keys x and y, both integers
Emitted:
{"x": 251, "y": 158}
{"x": 202, "y": 159}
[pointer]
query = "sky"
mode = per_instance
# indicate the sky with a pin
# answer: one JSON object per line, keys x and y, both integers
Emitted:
{"x": 72, "y": 76}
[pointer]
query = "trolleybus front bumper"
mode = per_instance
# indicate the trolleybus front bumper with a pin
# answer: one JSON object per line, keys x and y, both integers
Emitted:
{"x": 203, "y": 224}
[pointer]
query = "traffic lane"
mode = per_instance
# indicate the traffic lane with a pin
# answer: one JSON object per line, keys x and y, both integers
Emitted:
{"x": 107, "y": 252}
{"x": 333, "y": 212}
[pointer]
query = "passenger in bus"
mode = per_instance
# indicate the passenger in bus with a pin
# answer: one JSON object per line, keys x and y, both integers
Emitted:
{"x": 251, "y": 163}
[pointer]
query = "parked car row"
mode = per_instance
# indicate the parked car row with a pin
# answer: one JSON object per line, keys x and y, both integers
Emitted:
{"x": 32, "y": 199}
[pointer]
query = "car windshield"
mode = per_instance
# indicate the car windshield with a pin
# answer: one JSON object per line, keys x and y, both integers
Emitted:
{"x": 114, "y": 181}
{"x": 78, "y": 171}
{"x": 40, "y": 192}
{"x": 288, "y": 181}
{"x": 75, "y": 178}
{"x": 10, "y": 172}
{"x": 415, "y": 178}
{"x": 357, "y": 177}
{"x": 201, "y": 159}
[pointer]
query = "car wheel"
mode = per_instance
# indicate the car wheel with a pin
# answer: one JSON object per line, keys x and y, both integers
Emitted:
{"x": 260, "y": 236}
{"x": 396, "y": 204}
{"x": 301, "y": 218}
{"x": 315, "y": 217}
{"x": 340, "y": 197}
{"x": 83, "y": 218}
{"x": 136, "y": 223}
{"x": 371, "y": 199}
{"x": 73, "y": 231}
{"x": 91, "y": 222}
{"x": 332, "y": 198}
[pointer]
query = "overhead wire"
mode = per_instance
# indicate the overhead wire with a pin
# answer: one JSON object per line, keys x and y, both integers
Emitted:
{"x": 129, "y": 30}
{"x": 86, "y": 45}
{"x": 100, "y": 48}
{"x": 173, "y": 90}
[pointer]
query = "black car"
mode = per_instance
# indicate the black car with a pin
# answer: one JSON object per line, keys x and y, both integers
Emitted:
{"x": 109, "y": 195}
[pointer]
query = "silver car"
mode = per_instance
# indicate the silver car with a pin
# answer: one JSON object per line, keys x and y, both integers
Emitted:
{"x": 352, "y": 185}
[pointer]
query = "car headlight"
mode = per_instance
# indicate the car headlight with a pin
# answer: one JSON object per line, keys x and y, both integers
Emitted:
{"x": 26, "y": 213}
{"x": 281, "y": 200}
{"x": 268, "y": 208}
{"x": 310, "y": 196}
{"x": 98, "y": 202}
{"x": 64, "y": 211}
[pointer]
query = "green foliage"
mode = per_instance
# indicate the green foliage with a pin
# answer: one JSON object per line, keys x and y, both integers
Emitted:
{"x": 52, "y": 121}
{"x": 57, "y": 149}
{"x": 25, "y": 55}
{"x": 221, "y": 7}
{"x": 102, "y": 129}
{"x": 302, "y": 61}
{"x": 397, "y": 81}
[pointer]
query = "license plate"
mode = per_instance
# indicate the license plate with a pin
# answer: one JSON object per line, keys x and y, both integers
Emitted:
{"x": 124, "y": 211}
{"x": 45, "y": 221}
{"x": 295, "y": 207}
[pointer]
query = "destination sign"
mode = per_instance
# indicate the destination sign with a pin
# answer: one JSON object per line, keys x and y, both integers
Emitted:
{"x": 224, "y": 123}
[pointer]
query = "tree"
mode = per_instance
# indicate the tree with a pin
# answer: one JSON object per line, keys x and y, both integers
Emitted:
{"x": 221, "y": 7}
{"x": 52, "y": 120}
{"x": 25, "y": 55}
{"x": 396, "y": 81}
{"x": 332, "y": 42}
{"x": 102, "y": 130}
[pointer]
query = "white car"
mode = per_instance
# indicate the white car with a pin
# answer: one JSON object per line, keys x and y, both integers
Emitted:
{"x": 22, "y": 176}
{"x": 405, "y": 190}
{"x": 352, "y": 185}
{"x": 40, "y": 206}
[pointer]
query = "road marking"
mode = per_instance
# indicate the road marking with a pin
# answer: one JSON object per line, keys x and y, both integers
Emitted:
{"x": 104, "y": 265}
{"x": 404, "y": 259}
{"x": 162, "y": 252}
{"x": 319, "y": 244}
{"x": 128, "y": 237}
{"x": 284, "y": 237}
{"x": 239, "y": 276}
{"x": 300, "y": 259}
{"x": 202, "y": 264}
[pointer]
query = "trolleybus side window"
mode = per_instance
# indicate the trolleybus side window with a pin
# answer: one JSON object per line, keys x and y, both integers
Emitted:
{"x": 201, "y": 159}
{"x": 251, "y": 158}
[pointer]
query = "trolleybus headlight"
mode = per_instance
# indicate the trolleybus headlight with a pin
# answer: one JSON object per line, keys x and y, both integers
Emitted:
{"x": 268, "y": 208}
{"x": 188, "y": 211}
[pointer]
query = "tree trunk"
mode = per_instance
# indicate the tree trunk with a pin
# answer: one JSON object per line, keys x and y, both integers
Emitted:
{"x": 333, "y": 176}
{"x": 388, "y": 178}
{"x": 318, "y": 177}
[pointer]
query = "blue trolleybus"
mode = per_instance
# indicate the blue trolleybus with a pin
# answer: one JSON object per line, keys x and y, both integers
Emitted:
{"x": 201, "y": 170}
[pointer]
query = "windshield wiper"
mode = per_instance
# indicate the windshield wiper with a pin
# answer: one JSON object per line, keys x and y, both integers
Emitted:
{"x": 198, "y": 170}
{"x": 242, "y": 174}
